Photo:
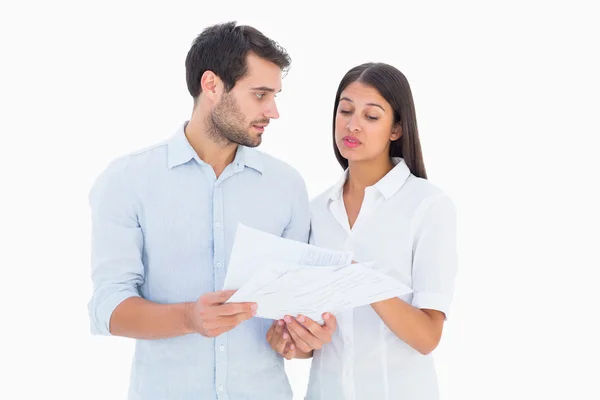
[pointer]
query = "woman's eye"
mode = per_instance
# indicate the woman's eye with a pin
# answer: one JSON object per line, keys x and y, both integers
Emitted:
{"x": 372, "y": 118}
{"x": 344, "y": 112}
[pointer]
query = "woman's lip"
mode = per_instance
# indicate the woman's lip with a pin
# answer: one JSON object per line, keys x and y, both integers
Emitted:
{"x": 351, "y": 139}
{"x": 351, "y": 142}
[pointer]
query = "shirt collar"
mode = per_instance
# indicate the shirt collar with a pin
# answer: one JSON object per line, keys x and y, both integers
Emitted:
{"x": 180, "y": 151}
{"x": 248, "y": 157}
{"x": 387, "y": 186}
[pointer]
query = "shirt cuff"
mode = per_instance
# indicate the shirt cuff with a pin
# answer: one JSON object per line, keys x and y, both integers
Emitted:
{"x": 100, "y": 317}
{"x": 432, "y": 301}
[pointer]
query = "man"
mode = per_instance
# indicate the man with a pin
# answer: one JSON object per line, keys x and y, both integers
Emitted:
{"x": 164, "y": 221}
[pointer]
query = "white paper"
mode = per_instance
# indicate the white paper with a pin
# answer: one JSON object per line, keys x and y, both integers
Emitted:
{"x": 253, "y": 249}
{"x": 293, "y": 289}
{"x": 285, "y": 277}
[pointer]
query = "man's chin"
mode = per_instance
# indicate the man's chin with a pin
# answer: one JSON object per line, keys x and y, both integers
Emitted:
{"x": 254, "y": 142}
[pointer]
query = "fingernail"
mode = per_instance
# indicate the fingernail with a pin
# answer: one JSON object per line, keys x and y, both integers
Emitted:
{"x": 285, "y": 336}
{"x": 254, "y": 306}
{"x": 300, "y": 318}
{"x": 326, "y": 316}
{"x": 280, "y": 322}
{"x": 291, "y": 347}
{"x": 287, "y": 319}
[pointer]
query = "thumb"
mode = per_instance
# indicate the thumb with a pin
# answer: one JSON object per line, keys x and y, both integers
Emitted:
{"x": 330, "y": 321}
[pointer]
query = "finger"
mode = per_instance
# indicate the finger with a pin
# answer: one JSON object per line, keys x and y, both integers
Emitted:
{"x": 271, "y": 332}
{"x": 233, "y": 320}
{"x": 298, "y": 334}
{"x": 300, "y": 343}
{"x": 276, "y": 334}
{"x": 218, "y": 331}
{"x": 236, "y": 308}
{"x": 330, "y": 322}
{"x": 317, "y": 330}
{"x": 219, "y": 297}
{"x": 281, "y": 338}
{"x": 290, "y": 352}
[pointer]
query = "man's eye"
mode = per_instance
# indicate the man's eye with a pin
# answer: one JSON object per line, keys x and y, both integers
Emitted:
{"x": 259, "y": 95}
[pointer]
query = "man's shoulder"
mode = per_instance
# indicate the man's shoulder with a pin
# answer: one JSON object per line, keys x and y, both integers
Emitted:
{"x": 129, "y": 167}
{"x": 276, "y": 167}
{"x": 139, "y": 159}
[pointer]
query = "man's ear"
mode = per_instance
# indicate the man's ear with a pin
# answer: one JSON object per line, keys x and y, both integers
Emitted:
{"x": 396, "y": 132}
{"x": 210, "y": 84}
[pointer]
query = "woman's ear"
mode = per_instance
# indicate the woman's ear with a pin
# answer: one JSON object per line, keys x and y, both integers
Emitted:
{"x": 396, "y": 132}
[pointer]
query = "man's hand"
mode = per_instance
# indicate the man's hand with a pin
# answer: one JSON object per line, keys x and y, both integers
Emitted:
{"x": 309, "y": 335}
{"x": 210, "y": 317}
{"x": 280, "y": 340}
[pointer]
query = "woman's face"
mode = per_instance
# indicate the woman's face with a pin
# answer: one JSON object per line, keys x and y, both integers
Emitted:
{"x": 364, "y": 124}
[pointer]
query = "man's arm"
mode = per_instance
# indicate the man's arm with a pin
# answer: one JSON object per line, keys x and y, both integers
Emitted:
{"x": 116, "y": 307}
{"x": 116, "y": 249}
{"x": 209, "y": 316}
{"x": 138, "y": 318}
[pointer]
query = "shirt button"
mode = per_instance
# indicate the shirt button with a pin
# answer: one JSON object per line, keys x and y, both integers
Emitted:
{"x": 218, "y": 265}
{"x": 220, "y": 388}
{"x": 218, "y": 224}
{"x": 222, "y": 347}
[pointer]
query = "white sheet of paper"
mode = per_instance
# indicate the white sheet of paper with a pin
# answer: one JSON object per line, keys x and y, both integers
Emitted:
{"x": 253, "y": 249}
{"x": 282, "y": 289}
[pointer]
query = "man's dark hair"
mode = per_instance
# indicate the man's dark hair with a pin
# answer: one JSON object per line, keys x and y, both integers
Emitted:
{"x": 223, "y": 49}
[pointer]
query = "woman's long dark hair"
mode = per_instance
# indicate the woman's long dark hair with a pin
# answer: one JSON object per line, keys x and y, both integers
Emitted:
{"x": 394, "y": 88}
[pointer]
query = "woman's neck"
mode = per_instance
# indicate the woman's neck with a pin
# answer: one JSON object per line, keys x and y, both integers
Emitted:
{"x": 367, "y": 173}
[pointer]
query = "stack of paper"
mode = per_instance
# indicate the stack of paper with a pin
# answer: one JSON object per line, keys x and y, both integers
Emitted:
{"x": 285, "y": 277}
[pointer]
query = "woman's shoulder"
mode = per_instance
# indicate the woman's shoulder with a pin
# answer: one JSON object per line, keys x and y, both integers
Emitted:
{"x": 426, "y": 194}
{"x": 321, "y": 200}
{"x": 421, "y": 187}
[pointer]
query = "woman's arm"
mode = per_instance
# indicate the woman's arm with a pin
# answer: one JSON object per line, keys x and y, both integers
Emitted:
{"x": 434, "y": 268}
{"x": 420, "y": 329}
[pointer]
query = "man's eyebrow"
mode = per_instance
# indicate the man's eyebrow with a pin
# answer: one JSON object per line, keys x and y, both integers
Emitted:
{"x": 264, "y": 89}
{"x": 368, "y": 104}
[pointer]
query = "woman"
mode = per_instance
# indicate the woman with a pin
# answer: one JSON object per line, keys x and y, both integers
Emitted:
{"x": 384, "y": 210}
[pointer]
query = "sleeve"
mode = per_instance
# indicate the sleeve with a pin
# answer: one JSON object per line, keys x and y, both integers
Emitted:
{"x": 435, "y": 259}
{"x": 299, "y": 225}
{"x": 116, "y": 247}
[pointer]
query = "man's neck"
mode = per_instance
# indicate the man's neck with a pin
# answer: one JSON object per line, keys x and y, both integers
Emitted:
{"x": 217, "y": 155}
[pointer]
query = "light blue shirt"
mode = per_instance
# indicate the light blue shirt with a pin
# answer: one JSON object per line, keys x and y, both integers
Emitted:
{"x": 163, "y": 227}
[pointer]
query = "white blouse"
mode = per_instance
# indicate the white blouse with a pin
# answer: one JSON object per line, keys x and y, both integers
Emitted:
{"x": 407, "y": 226}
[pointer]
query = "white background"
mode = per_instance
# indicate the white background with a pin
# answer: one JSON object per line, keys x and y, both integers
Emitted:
{"x": 507, "y": 99}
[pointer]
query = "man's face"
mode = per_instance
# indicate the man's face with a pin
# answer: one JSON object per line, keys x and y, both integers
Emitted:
{"x": 242, "y": 114}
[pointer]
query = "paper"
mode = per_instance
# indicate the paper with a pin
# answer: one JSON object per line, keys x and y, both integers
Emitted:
{"x": 285, "y": 277}
{"x": 252, "y": 249}
{"x": 292, "y": 289}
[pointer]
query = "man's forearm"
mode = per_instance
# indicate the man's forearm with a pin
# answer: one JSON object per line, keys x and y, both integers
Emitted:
{"x": 142, "y": 319}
